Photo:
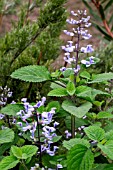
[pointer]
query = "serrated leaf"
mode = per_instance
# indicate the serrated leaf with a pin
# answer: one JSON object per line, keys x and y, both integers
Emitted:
{"x": 88, "y": 93}
{"x": 17, "y": 152}
{"x": 109, "y": 135}
{"x": 32, "y": 73}
{"x": 28, "y": 151}
{"x": 59, "y": 92}
{"x": 6, "y": 135}
{"x": 76, "y": 111}
{"x": 85, "y": 74}
{"x": 12, "y": 109}
{"x": 70, "y": 88}
{"x": 101, "y": 77}
{"x": 70, "y": 143}
{"x": 95, "y": 133}
{"x": 103, "y": 114}
{"x": 80, "y": 158}
{"x": 8, "y": 162}
{"x": 56, "y": 85}
{"x": 107, "y": 148}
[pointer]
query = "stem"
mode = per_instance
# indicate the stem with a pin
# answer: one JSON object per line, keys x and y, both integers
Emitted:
{"x": 24, "y": 166}
{"x": 73, "y": 126}
{"x": 39, "y": 143}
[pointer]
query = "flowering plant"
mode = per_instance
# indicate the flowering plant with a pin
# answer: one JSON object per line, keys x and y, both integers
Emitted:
{"x": 71, "y": 133}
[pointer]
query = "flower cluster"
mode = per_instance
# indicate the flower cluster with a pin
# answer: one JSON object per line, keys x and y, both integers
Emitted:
{"x": 5, "y": 93}
{"x": 58, "y": 166}
{"x": 80, "y": 21}
{"x": 43, "y": 119}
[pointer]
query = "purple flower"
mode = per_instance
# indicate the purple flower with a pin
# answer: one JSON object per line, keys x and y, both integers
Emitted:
{"x": 68, "y": 134}
{"x": 87, "y": 49}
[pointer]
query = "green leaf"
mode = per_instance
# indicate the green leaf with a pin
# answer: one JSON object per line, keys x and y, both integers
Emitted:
{"x": 12, "y": 109}
{"x": 67, "y": 73}
{"x": 109, "y": 135}
{"x": 107, "y": 148}
{"x": 88, "y": 93}
{"x": 59, "y": 92}
{"x": 17, "y": 152}
{"x": 70, "y": 143}
{"x": 103, "y": 114}
{"x": 108, "y": 5}
{"x": 32, "y": 73}
{"x": 28, "y": 151}
{"x": 103, "y": 31}
{"x": 70, "y": 88}
{"x": 99, "y": 167}
{"x": 6, "y": 135}
{"x": 85, "y": 74}
{"x": 56, "y": 85}
{"x": 101, "y": 10}
{"x": 80, "y": 158}
{"x": 24, "y": 152}
{"x": 76, "y": 111}
{"x": 8, "y": 162}
{"x": 108, "y": 167}
{"x": 95, "y": 133}
{"x": 53, "y": 104}
{"x": 101, "y": 77}
{"x": 56, "y": 138}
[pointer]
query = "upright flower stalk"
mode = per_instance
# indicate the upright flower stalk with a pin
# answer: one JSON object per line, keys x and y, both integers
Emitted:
{"x": 40, "y": 125}
{"x": 73, "y": 48}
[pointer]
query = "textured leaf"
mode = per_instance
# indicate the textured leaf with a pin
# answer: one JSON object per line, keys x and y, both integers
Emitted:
{"x": 69, "y": 144}
{"x": 85, "y": 74}
{"x": 79, "y": 158}
{"x": 70, "y": 88}
{"x": 101, "y": 77}
{"x": 76, "y": 111}
{"x": 109, "y": 135}
{"x": 101, "y": 115}
{"x": 6, "y": 135}
{"x": 28, "y": 151}
{"x": 8, "y": 162}
{"x": 88, "y": 93}
{"x": 95, "y": 133}
{"x": 59, "y": 92}
{"x": 12, "y": 109}
{"x": 24, "y": 152}
{"x": 17, "y": 152}
{"x": 107, "y": 148}
{"x": 56, "y": 85}
{"x": 32, "y": 73}
{"x": 99, "y": 167}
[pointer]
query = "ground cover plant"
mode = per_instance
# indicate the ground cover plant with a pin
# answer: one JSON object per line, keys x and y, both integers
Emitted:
{"x": 71, "y": 127}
